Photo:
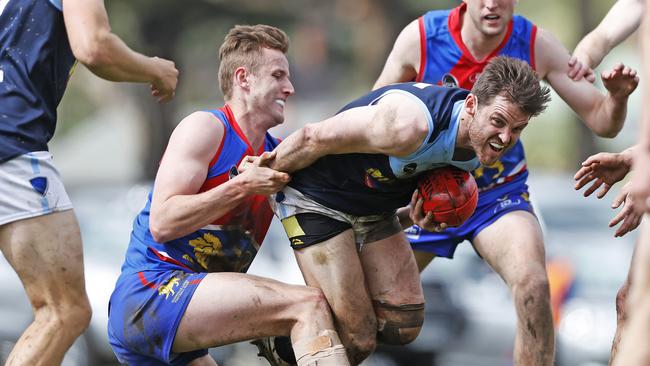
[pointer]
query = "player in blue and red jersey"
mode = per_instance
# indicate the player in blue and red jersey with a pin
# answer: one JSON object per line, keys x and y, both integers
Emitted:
{"x": 451, "y": 47}
{"x": 182, "y": 288}
{"x": 40, "y": 41}
{"x": 354, "y": 170}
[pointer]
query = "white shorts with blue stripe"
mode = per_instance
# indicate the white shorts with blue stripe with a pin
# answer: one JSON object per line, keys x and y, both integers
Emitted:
{"x": 31, "y": 186}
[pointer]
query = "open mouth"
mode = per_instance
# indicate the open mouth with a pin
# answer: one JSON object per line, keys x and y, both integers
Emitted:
{"x": 496, "y": 147}
{"x": 491, "y": 17}
{"x": 280, "y": 102}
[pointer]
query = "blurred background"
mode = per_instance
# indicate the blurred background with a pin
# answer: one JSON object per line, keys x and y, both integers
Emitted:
{"x": 111, "y": 136}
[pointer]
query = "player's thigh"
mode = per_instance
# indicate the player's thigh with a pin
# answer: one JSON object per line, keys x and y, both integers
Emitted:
{"x": 640, "y": 282}
{"x": 391, "y": 271}
{"x": 46, "y": 253}
{"x": 232, "y": 307}
{"x": 334, "y": 266}
{"x": 512, "y": 244}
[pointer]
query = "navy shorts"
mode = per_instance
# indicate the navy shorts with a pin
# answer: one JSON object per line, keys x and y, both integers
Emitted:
{"x": 144, "y": 313}
{"x": 492, "y": 204}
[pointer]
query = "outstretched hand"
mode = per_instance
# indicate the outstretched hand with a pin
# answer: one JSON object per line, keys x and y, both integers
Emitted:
{"x": 639, "y": 184}
{"x": 620, "y": 81}
{"x": 629, "y": 215}
{"x": 579, "y": 68}
{"x": 604, "y": 170}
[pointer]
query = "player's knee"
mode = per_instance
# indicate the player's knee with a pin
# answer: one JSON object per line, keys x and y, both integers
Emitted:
{"x": 359, "y": 347}
{"x": 76, "y": 317}
{"x": 398, "y": 324}
{"x": 533, "y": 288}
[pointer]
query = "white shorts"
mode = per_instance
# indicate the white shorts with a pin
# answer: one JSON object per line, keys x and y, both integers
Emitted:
{"x": 30, "y": 186}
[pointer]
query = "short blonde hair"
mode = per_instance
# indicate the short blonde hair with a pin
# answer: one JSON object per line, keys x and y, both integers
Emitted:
{"x": 242, "y": 46}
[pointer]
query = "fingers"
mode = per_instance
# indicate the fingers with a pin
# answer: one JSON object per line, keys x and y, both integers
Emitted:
{"x": 266, "y": 158}
{"x": 593, "y": 188}
{"x": 580, "y": 174}
{"x": 604, "y": 190}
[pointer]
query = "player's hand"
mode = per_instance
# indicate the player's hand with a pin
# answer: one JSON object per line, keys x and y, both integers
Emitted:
{"x": 579, "y": 68}
{"x": 163, "y": 86}
{"x": 258, "y": 177}
{"x": 629, "y": 216}
{"x": 604, "y": 170}
{"x": 640, "y": 183}
{"x": 421, "y": 219}
{"x": 620, "y": 81}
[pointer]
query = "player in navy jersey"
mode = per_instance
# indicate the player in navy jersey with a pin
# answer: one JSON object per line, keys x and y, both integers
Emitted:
{"x": 40, "y": 41}
{"x": 354, "y": 170}
{"x": 183, "y": 288}
{"x": 451, "y": 47}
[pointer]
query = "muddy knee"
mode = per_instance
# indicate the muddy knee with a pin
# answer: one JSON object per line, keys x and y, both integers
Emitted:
{"x": 398, "y": 324}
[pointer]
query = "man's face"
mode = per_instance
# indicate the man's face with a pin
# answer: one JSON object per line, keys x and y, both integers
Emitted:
{"x": 490, "y": 17}
{"x": 270, "y": 85}
{"x": 495, "y": 128}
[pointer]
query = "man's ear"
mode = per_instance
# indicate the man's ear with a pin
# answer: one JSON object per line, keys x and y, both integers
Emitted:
{"x": 241, "y": 77}
{"x": 471, "y": 104}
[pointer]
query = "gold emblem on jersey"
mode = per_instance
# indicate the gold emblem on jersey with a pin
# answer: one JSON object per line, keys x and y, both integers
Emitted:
{"x": 168, "y": 288}
{"x": 206, "y": 247}
{"x": 478, "y": 173}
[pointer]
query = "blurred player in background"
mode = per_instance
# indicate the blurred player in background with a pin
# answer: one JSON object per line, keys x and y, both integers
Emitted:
{"x": 451, "y": 47}
{"x": 605, "y": 169}
{"x": 40, "y": 41}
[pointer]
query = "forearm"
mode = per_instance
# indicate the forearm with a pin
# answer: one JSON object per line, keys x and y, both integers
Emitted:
{"x": 592, "y": 49}
{"x": 111, "y": 59}
{"x": 608, "y": 118}
{"x": 183, "y": 214}
{"x": 297, "y": 151}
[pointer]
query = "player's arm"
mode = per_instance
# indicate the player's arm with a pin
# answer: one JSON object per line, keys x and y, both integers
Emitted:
{"x": 603, "y": 114}
{"x": 639, "y": 186}
{"x": 107, "y": 56}
{"x": 404, "y": 59}
{"x": 622, "y": 19}
{"x": 177, "y": 208}
{"x": 396, "y": 126}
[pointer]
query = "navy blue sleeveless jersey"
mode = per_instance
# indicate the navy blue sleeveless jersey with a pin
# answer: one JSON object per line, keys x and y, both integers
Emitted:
{"x": 370, "y": 184}
{"x": 35, "y": 64}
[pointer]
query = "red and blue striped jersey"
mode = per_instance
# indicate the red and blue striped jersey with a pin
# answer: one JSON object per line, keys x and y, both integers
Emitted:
{"x": 445, "y": 60}
{"x": 228, "y": 244}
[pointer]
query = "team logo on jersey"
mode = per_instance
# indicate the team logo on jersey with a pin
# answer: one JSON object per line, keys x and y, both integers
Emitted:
{"x": 449, "y": 80}
{"x": 168, "y": 288}
{"x": 374, "y": 175}
{"x": 39, "y": 184}
{"x": 410, "y": 168}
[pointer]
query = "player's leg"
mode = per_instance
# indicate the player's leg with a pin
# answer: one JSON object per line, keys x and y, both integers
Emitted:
{"x": 46, "y": 253}
{"x": 513, "y": 246}
{"x": 395, "y": 289}
{"x": 633, "y": 348}
{"x": 233, "y": 307}
{"x": 422, "y": 259}
{"x": 622, "y": 309}
{"x": 333, "y": 266}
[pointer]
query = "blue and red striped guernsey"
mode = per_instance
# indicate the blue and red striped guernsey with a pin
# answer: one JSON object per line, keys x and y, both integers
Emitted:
{"x": 228, "y": 244}
{"x": 445, "y": 60}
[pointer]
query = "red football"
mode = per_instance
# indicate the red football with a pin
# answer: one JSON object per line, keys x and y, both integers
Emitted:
{"x": 449, "y": 193}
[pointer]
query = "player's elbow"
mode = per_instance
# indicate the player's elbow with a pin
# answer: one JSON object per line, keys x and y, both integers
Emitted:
{"x": 92, "y": 51}
{"x": 160, "y": 233}
{"x": 610, "y": 131}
